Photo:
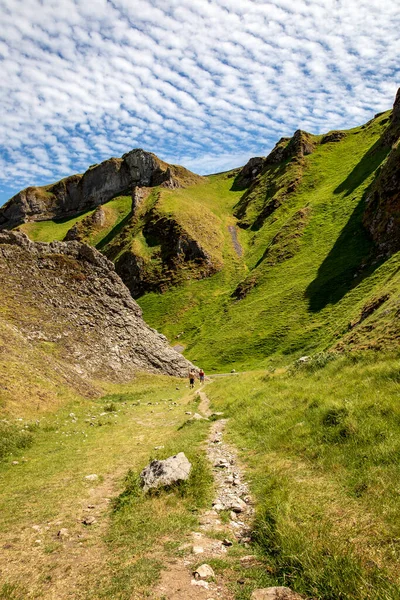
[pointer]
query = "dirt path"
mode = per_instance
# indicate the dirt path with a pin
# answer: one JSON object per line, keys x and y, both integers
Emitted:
{"x": 235, "y": 241}
{"x": 232, "y": 499}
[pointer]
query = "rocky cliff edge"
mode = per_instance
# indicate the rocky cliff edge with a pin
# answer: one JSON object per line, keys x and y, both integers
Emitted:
{"x": 67, "y": 297}
{"x": 99, "y": 184}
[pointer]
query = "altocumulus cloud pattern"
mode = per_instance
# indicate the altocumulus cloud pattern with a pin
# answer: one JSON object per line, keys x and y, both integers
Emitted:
{"x": 203, "y": 83}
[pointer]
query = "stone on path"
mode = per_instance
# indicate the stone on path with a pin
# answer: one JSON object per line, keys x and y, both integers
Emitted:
{"x": 204, "y": 572}
{"x": 63, "y": 533}
{"x": 200, "y": 583}
{"x": 160, "y": 473}
{"x": 88, "y": 520}
{"x": 197, "y": 550}
{"x": 237, "y": 505}
{"x": 197, "y": 417}
{"x": 275, "y": 593}
{"x": 221, "y": 463}
{"x": 92, "y": 477}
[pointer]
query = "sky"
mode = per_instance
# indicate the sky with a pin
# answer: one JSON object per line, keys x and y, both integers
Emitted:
{"x": 206, "y": 84}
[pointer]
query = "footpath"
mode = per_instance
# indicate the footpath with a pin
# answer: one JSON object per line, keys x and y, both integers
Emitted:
{"x": 189, "y": 576}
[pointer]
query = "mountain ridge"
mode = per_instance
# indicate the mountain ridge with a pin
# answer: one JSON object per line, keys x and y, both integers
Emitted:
{"x": 317, "y": 221}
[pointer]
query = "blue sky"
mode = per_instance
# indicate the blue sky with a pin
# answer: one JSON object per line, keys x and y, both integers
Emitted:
{"x": 206, "y": 84}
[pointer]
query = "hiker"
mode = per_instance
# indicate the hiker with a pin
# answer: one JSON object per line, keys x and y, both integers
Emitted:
{"x": 201, "y": 376}
{"x": 192, "y": 375}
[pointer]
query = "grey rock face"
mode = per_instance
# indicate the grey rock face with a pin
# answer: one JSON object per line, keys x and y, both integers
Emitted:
{"x": 333, "y": 136}
{"x": 80, "y": 193}
{"x": 298, "y": 146}
{"x": 162, "y": 473}
{"x": 249, "y": 172}
{"x": 393, "y": 131}
{"x": 68, "y": 294}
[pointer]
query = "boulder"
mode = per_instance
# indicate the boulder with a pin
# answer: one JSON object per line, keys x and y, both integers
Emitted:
{"x": 237, "y": 505}
{"x": 275, "y": 593}
{"x": 163, "y": 473}
{"x": 204, "y": 572}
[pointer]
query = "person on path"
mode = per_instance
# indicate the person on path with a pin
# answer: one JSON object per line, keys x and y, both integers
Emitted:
{"x": 201, "y": 376}
{"x": 192, "y": 376}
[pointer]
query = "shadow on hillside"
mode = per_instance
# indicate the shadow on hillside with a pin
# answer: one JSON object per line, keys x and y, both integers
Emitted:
{"x": 346, "y": 265}
{"x": 349, "y": 261}
{"x": 367, "y": 165}
{"x": 114, "y": 231}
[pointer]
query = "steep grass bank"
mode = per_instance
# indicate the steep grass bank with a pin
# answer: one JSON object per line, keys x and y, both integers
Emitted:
{"x": 47, "y": 231}
{"x": 306, "y": 273}
{"x": 322, "y": 446}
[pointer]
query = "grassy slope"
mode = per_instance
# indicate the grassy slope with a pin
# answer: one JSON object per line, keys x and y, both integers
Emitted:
{"x": 47, "y": 231}
{"x": 312, "y": 268}
{"x": 322, "y": 445}
{"x": 301, "y": 304}
{"x": 122, "y": 554}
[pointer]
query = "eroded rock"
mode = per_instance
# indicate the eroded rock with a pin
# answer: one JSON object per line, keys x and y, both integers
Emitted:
{"x": 163, "y": 473}
{"x": 99, "y": 327}
{"x": 99, "y": 184}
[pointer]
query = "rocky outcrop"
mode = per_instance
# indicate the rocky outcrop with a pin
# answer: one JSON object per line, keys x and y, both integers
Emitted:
{"x": 298, "y": 146}
{"x": 249, "y": 172}
{"x": 333, "y": 137}
{"x": 83, "y": 229}
{"x": 382, "y": 212}
{"x": 68, "y": 295}
{"x": 272, "y": 179}
{"x": 178, "y": 256}
{"x": 392, "y": 133}
{"x": 99, "y": 184}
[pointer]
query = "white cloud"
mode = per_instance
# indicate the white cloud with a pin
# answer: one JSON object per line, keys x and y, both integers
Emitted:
{"x": 207, "y": 84}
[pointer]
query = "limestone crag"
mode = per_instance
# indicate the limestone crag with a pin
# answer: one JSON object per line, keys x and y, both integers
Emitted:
{"x": 249, "y": 172}
{"x": 301, "y": 144}
{"x": 68, "y": 296}
{"x": 179, "y": 255}
{"x": 80, "y": 230}
{"x": 99, "y": 184}
{"x": 393, "y": 131}
{"x": 382, "y": 213}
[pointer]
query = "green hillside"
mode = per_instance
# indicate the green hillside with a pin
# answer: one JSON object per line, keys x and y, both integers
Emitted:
{"x": 291, "y": 263}
{"x": 250, "y": 270}
{"x": 306, "y": 269}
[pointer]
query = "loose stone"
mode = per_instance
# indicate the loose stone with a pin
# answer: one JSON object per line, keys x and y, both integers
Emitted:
{"x": 204, "y": 572}
{"x": 275, "y": 593}
{"x": 89, "y": 520}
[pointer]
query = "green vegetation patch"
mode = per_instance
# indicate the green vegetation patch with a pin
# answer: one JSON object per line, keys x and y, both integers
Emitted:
{"x": 322, "y": 447}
